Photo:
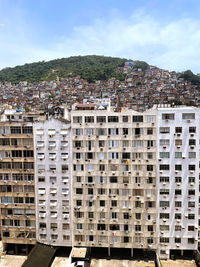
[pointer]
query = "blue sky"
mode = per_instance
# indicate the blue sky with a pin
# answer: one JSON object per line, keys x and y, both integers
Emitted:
{"x": 163, "y": 33}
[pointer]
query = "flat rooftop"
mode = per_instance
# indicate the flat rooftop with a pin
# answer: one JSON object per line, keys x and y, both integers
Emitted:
{"x": 12, "y": 260}
{"x": 60, "y": 262}
{"x": 120, "y": 263}
{"x": 178, "y": 263}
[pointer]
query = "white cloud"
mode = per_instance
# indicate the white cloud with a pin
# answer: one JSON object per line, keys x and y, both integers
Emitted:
{"x": 173, "y": 45}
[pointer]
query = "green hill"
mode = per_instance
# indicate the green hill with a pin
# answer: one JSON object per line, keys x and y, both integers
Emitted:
{"x": 90, "y": 68}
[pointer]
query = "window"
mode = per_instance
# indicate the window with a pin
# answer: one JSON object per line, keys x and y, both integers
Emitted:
{"x": 101, "y": 131}
{"x": 164, "y": 227}
{"x": 113, "y": 179}
{"x": 113, "y": 131}
{"x": 15, "y": 130}
{"x": 77, "y": 119}
{"x": 137, "y": 118}
{"x": 138, "y": 228}
{"x": 178, "y": 167}
{"x": 191, "y": 179}
{"x": 164, "y": 239}
{"x": 164, "y": 215}
{"x": 191, "y": 216}
{"x": 178, "y": 129}
{"x": 113, "y": 155}
{"x": 78, "y": 179}
{"x": 101, "y": 119}
{"x": 101, "y": 143}
{"x": 113, "y": 119}
{"x": 178, "y": 142}
{"x": 191, "y": 204}
{"x": 192, "y": 129}
{"x": 78, "y": 131}
{"x": 192, "y": 142}
{"x": 164, "y": 155}
{"x": 138, "y": 131}
{"x": 178, "y": 155}
{"x": 125, "y": 131}
{"x": 89, "y": 119}
{"x": 191, "y": 167}
{"x": 150, "y": 143}
{"x": 177, "y": 240}
{"x": 149, "y": 168}
{"x": 27, "y": 129}
{"x": 191, "y": 240}
{"x": 112, "y": 143}
{"x": 124, "y": 118}
{"x": 178, "y": 204}
{"x": 178, "y": 192}
{"x": 164, "y": 179}
{"x": 191, "y": 192}
{"x": 149, "y": 131}
{"x": 192, "y": 155}
{"x": 149, "y": 155}
{"x": 164, "y": 130}
{"x": 78, "y": 167}
{"x": 137, "y": 143}
{"x": 79, "y": 191}
{"x": 168, "y": 116}
{"x": 178, "y": 179}
{"x": 164, "y": 191}
{"x": 164, "y": 142}
{"x": 79, "y": 226}
{"x": 178, "y": 216}
{"x": 164, "y": 203}
{"x": 188, "y": 116}
{"x": 52, "y": 167}
{"x": 178, "y": 228}
{"x": 191, "y": 228}
{"x": 164, "y": 167}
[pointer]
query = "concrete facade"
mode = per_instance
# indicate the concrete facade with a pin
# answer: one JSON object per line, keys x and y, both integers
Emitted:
{"x": 114, "y": 178}
{"x": 17, "y": 184}
{"x": 53, "y": 186}
{"x": 177, "y": 179}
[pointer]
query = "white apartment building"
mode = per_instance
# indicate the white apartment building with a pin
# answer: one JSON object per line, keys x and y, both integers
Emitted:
{"x": 177, "y": 179}
{"x": 114, "y": 178}
{"x": 53, "y": 181}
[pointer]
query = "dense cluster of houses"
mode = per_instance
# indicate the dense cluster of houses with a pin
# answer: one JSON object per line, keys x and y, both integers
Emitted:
{"x": 140, "y": 90}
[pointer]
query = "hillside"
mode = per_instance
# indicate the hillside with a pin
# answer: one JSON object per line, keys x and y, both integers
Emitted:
{"x": 90, "y": 68}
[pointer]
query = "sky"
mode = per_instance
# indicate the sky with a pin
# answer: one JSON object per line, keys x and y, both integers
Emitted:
{"x": 165, "y": 33}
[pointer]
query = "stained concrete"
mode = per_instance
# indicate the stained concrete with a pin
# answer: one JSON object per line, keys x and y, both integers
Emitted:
{"x": 178, "y": 263}
{"x": 120, "y": 263}
{"x": 60, "y": 262}
{"x": 12, "y": 261}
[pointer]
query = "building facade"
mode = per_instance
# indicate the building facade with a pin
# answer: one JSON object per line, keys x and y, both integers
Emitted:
{"x": 106, "y": 179}
{"x": 177, "y": 179}
{"x": 53, "y": 182}
{"x": 114, "y": 178}
{"x": 17, "y": 183}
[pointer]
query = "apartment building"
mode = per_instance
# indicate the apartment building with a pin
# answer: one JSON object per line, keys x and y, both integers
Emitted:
{"x": 17, "y": 184}
{"x": 114, "y": 177}
{"x": 106, "y": 179}
{"x": 53, "y": 181}
{"x": 177, "y": 179}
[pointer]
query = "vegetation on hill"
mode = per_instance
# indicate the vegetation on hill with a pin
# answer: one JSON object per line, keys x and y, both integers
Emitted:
{"x": 141, "y": 65}
{"x": 189, "y": 76}
{"x": 90, "y": 68}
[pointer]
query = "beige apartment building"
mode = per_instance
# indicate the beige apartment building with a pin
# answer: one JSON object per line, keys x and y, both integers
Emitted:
{"x": 17, "y": 186}
{"x": 114, "y": 177}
